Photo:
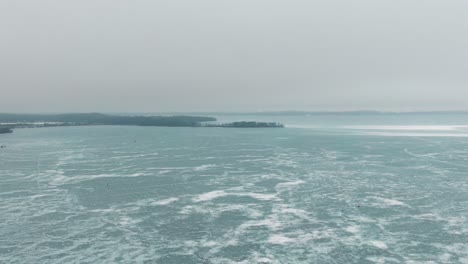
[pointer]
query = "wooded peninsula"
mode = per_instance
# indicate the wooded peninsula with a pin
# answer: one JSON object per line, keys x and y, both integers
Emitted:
{"x": 11, "y": 121}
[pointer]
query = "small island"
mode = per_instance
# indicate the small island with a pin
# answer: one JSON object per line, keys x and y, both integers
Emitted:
{"x": 5, "y": 130}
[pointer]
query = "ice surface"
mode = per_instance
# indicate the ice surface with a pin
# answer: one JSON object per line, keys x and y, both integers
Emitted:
{"x": 336, "y": 194}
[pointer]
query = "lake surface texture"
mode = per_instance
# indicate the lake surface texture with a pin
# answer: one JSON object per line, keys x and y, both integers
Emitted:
{"x": 325, "y": 189}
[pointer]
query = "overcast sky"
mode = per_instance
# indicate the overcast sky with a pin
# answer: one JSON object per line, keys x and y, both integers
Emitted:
{"x": 237, "y": 55}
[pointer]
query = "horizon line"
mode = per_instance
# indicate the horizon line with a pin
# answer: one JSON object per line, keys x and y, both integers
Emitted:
{"x": 251, "y": 112}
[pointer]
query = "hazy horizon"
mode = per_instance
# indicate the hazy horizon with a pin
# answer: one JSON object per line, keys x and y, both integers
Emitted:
{"x": 283, "y": 112}
{"x": 230, "y": 56}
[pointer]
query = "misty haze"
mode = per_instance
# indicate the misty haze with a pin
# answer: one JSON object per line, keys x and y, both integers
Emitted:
{"x": 214, "y": 131}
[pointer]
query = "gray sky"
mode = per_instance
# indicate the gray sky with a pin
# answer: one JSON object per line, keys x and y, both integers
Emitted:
{"x": 219, "y": 55}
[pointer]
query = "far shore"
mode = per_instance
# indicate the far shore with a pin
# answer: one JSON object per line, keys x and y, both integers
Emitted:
{"x": 14, "y": 121}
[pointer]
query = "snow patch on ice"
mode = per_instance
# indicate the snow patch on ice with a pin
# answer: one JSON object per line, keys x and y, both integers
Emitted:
{"x": 210, "y": 196}
{"x": 220, "y": 193}
{"x": 166, "y": 201}
{"x": 391, "y": 202}
{"x": 379, "y": 244}
{"x": 279, "y": 240}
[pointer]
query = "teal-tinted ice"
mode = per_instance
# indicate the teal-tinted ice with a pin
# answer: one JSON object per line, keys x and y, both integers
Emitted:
{"x": 315, "y": 192}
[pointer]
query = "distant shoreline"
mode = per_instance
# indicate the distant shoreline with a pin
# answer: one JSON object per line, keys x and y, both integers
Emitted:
{"x": 325, "y": 113}
{"x": 12, "y": 121}
{"x": 285, "y": 112}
